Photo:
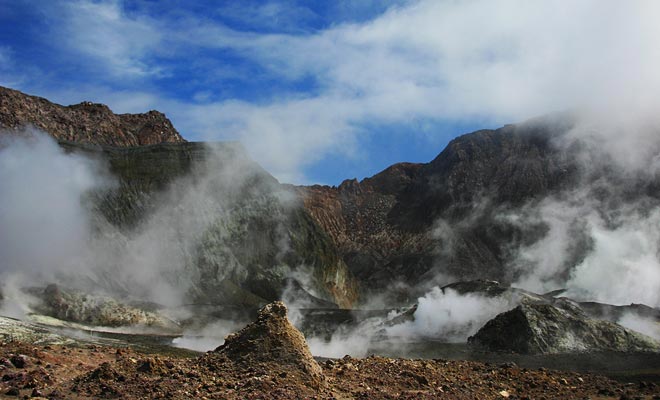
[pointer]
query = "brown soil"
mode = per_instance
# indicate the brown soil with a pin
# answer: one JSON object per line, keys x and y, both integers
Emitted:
{"x": 61, "y": 372}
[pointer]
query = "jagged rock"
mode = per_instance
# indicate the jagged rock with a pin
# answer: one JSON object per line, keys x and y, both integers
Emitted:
{"x": 488, "y": 288}
{"x": 559, "y": 328}
{"x": 480, "y": 286}
{"x": 391, "y": 227}
{"x": 302, "y": 298}
{"x": 86, "y": 122}
{"x": 375, "y": 232}
{"x": 273, "y": 339}
{"x": 14, "y": 330}
{"x": 19, "y": 360}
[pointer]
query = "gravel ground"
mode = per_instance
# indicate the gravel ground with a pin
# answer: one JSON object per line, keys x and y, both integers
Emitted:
{"x": 66, "y": 372}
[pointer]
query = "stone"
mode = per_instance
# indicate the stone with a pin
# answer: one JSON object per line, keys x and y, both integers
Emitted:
{"x": 561, "y": 327}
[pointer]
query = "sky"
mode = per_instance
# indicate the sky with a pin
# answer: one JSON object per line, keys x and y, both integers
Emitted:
{"x": 322, "y": 91}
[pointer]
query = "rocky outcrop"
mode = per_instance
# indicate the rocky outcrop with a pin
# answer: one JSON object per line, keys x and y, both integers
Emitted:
{"x": 95, "y": 310}
{"x": 271, "y": 339}
{"x": 557, "y": 328}
{"x": 413, "y": 223}
{"x": 86, "y": 122}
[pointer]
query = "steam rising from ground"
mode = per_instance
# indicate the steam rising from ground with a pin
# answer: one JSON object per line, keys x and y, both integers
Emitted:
{"x": 602, "y": 240}
{"x": 450, "y": 316}
{"x": 44, "y": 226}
{"x": 647, "y": 326}
{"x": 208, "y": 337}
{"x": 445, "y": 316}
{"x": 50, "y": 233}
{"x": 618, "y": 262}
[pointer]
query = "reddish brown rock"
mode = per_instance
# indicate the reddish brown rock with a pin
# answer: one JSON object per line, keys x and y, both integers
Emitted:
{"x": 356, "y": 216}
{"x": 86, "y": 122}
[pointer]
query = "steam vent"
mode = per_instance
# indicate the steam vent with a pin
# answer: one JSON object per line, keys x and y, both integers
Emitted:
{"x": 273, "y": 339}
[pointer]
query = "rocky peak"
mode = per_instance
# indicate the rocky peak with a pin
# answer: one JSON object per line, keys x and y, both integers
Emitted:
{"x": 92, "y": 107}
{"x": 86, "y": 122}
{"x": 393, "y": 179}
{"x": 351, "y": 186}
{"x": 273, "y": 339}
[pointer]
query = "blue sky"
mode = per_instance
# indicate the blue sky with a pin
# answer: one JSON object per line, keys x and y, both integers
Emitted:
{"x": 321, "y": 91}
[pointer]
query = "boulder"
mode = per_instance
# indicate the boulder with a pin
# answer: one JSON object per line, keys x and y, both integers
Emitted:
{"x": 561, "y": 327}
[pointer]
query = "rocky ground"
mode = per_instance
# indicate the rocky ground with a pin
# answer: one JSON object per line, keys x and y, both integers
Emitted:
{"x": 269, "y": 359}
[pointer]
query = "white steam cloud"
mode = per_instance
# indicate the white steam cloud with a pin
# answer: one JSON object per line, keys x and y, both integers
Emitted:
{"x": 648, "y": 326}
{"x": 207, "y": 338}
{"x": 44, "y": 226}
{"x": 602, "y": 240}
{"x": 623, "y": 267}
{"x": 52, "y": 232}
{"x": 450, "y": 316}
{"x": 445, "y": 316}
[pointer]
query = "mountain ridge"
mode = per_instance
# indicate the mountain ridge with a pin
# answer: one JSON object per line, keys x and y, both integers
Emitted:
{"x": 85, "y": 122}
{"x": 416, "y": 225}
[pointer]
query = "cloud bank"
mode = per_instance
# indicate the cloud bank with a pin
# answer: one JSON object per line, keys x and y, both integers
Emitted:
{"x": 322, "y": 88}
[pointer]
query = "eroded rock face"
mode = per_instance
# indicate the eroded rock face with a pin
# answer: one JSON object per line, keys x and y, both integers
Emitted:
{"x": 389, "y": 227}
{"x": 355, "y": 215}
{"x": 273, "y": 339}
{"x": 557, "y": 328}
{"x": 85, "y": 122}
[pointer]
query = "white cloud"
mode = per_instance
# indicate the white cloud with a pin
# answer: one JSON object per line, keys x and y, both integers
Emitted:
{"x": 492, "y": 61}
{"x": 501, "y": 59}
{"x": 116, "y": 42}
{"x": 9, "y": 77}
{"x": 498, "y": 61}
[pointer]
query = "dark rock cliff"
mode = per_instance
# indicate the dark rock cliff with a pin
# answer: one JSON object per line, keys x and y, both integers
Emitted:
{"x": 418, "y": 224}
